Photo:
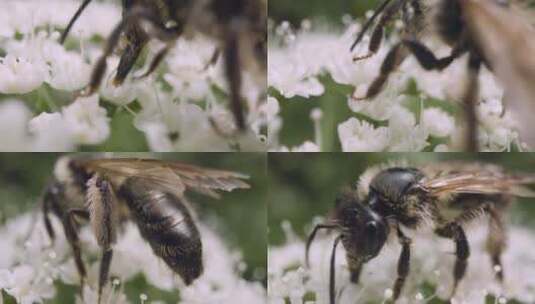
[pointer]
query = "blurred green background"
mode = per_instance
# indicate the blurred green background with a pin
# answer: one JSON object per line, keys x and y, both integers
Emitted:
{"x": 302, "y": 186}
{"x": 239, "y": 217}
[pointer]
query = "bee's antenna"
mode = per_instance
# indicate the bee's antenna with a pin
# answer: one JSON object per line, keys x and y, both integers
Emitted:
{"x": 332, "y": 296}
{"x": 73, "y": 19}
{"x": 368, "y": 23}
{"x": 311, "y": 238}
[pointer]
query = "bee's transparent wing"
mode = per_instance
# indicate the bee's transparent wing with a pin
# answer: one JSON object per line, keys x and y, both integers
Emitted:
{"x": 476, "y": 178}
{"x": 171, "y": 176}
{"x": 507, "y": 40}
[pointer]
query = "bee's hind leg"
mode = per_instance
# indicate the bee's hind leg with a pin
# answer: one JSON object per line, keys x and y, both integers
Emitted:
{"x": 102, "y": 203}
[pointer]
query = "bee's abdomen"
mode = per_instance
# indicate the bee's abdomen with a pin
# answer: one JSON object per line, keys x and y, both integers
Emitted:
{"x": 167, "y": 224}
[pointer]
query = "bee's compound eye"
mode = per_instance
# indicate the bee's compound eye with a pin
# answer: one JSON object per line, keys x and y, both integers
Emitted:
{"x": 371, "y": 228}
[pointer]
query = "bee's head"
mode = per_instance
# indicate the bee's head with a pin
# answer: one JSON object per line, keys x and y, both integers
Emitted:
{"x": 365, "y": 231}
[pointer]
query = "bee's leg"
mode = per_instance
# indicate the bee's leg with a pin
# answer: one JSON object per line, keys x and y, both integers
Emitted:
{"x": 231, "y": 53}
{"x": 156, "y": 61}
{"x": 393, "y": 59}
{"x": 49, "y": 202}
{"x": 332, "y": 279}
{"x": 136, "y": 41}
{"x": 137, "y": 14}
{"x": 378, "y": 33}
{"x": 403, "y": 263}
{"x": 311, "y": 238}
{"x": 455, "y": 232}
{"x": 496, "y": 241}
{"x": 213, "y": 59}
{"x": 470, "y": 101}
{"x": 369, "y": 22}
{"x": 427, "y": 59}
{"x": 355, "y": 269}
{"x": 104, "y": 270}
{"x": 102, "y": 204}
{"x": 73, "y": 19}
{"x": 71, "y": 233}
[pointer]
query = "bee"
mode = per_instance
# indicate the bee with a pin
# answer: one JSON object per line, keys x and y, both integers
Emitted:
{"x": 389, "y": 200}
{"x": 149, "y": 192}
{"x": 458, "y": 24}
{"x": 238, "y": 26}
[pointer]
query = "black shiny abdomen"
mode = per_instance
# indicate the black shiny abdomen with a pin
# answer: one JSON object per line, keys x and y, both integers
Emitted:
{"x": 175, "y": 240}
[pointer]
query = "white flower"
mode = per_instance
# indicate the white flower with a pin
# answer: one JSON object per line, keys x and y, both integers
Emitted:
{"x": 14, "y": 116}
{"x": 118, "y": 94}
{"x": 179, "y": 127}
{"x": 188, "y": 73}
{"x": 291, "y": 78}
{"x": 307, "y": 146}
{"x": 442, "y": 148}
{"x": 52, "y": 133}
{"x": 68, "y": 71}
{"x": 38, "y": 265}
{"x": 404, "y": 133}
{"x": 431, "y": 263}
{"x": 438, "y": 122}
{"x": 361, "y": 136}
{"x": 19, "y": 75}
{"x": 87, "y": 120}
{"x": 24, "y": 285}
{"x": 271, "y": 108}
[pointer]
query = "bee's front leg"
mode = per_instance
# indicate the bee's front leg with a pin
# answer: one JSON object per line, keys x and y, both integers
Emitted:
{"x": 378, "y": 33}
{"x": 50, "y": 203}
{"x": 136, "y": 40}
{"x": 403, "y": 263}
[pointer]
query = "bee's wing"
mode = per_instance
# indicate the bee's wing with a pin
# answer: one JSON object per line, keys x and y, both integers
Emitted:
{"x": 458, "y": 178}
{"x": 507, "y": 40}
{"x": 170, "y": 176}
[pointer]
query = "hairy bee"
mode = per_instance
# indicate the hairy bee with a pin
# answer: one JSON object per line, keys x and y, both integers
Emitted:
{"x": 149, "y": 192}
{"x": 473, "y": 27}
{"x": 391, "y": 199}
{"x": 239, "y": 27}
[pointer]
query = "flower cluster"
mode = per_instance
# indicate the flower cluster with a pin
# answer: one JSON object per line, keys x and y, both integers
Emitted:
{"x": 418, "y": 110}
{"x": 30, "y": 265}
{"x": 172, "y": 110}
{"x": 430, "y": 275}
